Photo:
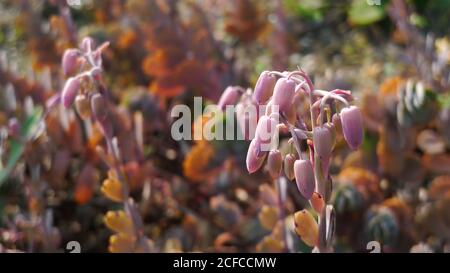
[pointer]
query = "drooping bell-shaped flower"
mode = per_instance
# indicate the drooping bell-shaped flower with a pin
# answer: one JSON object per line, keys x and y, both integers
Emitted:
{"x": 289, "y": 161}
{"x": 332, "y": 128}
{"x": 69, "y": 91}
{"x": 352, "y": 126}
{"x": 264, "y": 87}
{"x": 87, "y": 44}
{"x": 336, "y": 121}
{"x": 323, "y": 142}
{"x": 255, "y": 157}
{"x": 274, "y": 163}
{"x": 304, "y": 177}
{"x": 283, "y": 94}
{"x": 265, "y": 131}
{"x": 98, "y": 106}
{"x": 229, "y": 97}
{"x": 323, "y": 145}
{"x": 70, "y": 61}
{"x": 247, "y": 119}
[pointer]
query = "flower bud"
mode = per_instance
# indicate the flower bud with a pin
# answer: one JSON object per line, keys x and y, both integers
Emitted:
{"x": 306, "y": 227}
{"x": 229, "y": 97}
{"x": 289, "y": 161}
{"x": 330, "y": 126}
{"x": 112, "y": 189}
{"x": 352, "y": 126}
{"x": 255, "y": 157}
{"x": 98, "y": 106}
{"x": 283, "y": 94}
{"x": 70, "y": 61}
{"x": 247, "y": 120}
{"x": 268, "y": 109}
{"x": 304, "y": 177}
{"x": 274, "y": 163}
{"x": 119, "y": 222}
{"x": 83, "y": 106}
{"x": 69, "y": 91}
{"x": 291, "y": 114}
{"x": 264, "y": 87}
{"x": 317, "y": 202}
{"x": 121, "y": 243}
{"x": 323, "y": 142}
{"x": 265, "y": 131}
{"x": 336, "y": 120}
{"x": 87, "y": 44}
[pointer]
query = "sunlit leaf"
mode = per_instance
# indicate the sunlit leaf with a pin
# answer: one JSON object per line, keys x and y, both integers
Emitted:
{"x": 361, "y": 13}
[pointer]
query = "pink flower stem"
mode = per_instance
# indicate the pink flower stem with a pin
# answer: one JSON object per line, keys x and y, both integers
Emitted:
{"x": 320, "y": 180}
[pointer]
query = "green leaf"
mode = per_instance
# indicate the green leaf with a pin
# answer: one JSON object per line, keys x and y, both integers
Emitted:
{"x": 444, "y": 100}
{"x": 369, "y": 144}
{"x": 31, "y": 124}
{"x": 14, "y": 155}
{"x": 28, "y": 130}
{"x": 418, "y": 20}
{"x": 361, "y": 13}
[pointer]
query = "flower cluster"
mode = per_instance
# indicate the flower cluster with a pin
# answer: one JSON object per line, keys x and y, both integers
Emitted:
{"x": 86, "y": 90}
{"x": 330, "y": 114}
{"x": 84, "y": 68}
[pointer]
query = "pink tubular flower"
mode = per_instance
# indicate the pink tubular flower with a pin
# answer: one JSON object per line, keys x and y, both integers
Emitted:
{"x": 352, "y": 126}
{"x": 323, "y": 142}
{"x": 70, "y": 61}
{"x": 264, "y": 87}
{"x": 332, "y": 128}
{"x": 289, "y": 161}
{"x": 98, "y": 107}
{"x": 229, "y": 97}
{"x": 304, "y": 177}
{"x": 255, "y": 158}
{"x": 87, "y": 44}
{"x": 69, "y": 91}
{"x": 247, "y": 118}
{"x": 265, "y": 131}
{"x": 283, "y": 94}
{"x": 274, "y": 163}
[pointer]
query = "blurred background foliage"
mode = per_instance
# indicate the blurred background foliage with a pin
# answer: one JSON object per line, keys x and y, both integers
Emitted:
{"x": 196, "y": 195}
